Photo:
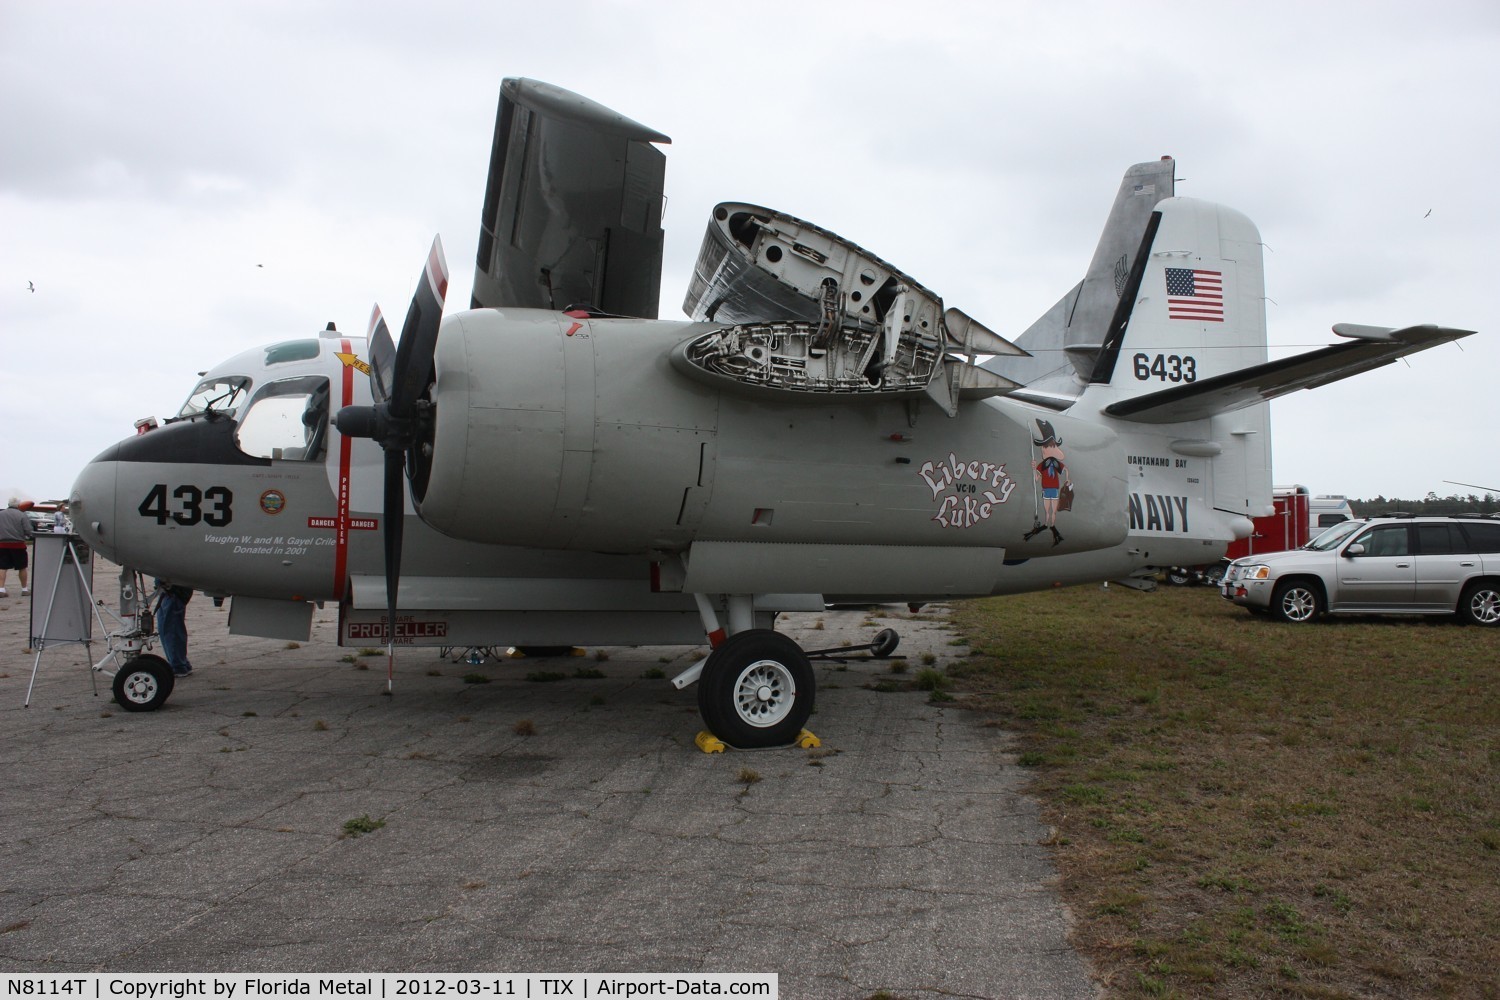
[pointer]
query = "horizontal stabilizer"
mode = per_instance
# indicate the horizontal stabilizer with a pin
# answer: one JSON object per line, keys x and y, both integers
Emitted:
{"x": 1374, "y": 348}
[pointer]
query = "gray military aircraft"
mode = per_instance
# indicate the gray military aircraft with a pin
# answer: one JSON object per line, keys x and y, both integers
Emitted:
{"x": 548, "y": 467}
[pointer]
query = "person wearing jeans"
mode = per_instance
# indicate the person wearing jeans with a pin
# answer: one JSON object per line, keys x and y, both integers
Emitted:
{"x": 171, "y": 626}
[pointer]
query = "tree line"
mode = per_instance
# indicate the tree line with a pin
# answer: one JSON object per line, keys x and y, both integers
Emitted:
{"x": 1431, "y": 504}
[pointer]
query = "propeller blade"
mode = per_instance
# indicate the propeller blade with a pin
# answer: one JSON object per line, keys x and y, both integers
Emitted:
{"x": 399, "y": 377}
{"x": 414, "y": 354}
{"x": 382, "y": 357}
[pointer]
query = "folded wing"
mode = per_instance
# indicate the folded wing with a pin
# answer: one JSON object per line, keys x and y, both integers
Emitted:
{"x": 572, "y": 206}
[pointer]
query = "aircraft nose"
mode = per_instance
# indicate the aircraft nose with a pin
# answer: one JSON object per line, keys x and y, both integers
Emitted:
{"x": 91, "y": 503}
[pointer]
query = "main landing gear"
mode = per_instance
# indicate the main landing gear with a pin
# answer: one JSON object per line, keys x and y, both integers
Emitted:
{"x": 756, "y": 688}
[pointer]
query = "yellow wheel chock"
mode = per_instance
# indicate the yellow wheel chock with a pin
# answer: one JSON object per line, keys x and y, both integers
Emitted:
{"x": 709, "y": 743}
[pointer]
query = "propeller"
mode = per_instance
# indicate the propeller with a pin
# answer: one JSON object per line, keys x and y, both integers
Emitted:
{"x": 400, "y": 421}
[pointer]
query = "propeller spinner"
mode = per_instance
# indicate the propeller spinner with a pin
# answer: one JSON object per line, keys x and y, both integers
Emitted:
{"x": 400, "y": 421}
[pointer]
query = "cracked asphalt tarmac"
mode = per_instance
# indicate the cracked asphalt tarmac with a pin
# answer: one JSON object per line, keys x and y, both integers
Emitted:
{"x": 566, "y": 825}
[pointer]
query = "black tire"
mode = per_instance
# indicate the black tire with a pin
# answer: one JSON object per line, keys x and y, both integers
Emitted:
{"x": 1178, "y": 577}
{"x": 1480, "y": 604}
{"x": 143, "y": 684}
{"x": 1297, "y": 601}
{"x": 1214, "y": 575}
{"x": 756, "y": 690}
{"x": 885, "y": 643}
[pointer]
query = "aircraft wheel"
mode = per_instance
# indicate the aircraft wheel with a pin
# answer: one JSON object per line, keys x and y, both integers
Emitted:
{"x": 886, "y": 641}
{"x": 143, "y": 684}
{"x": 1178, "y": 577}
{"x": 1480, "y": 604}
{"x": 756, "y": 690}
{"x": 1297, "y": 602}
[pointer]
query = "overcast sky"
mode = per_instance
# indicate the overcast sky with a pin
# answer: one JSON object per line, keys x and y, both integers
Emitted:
{"x": 185, "y": 180}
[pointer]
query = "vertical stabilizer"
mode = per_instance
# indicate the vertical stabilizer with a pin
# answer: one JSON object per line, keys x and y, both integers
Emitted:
{"x": 1065, "y": 341}
{"x": 1199, "y": 298}
{"x": 1195, "y": 312}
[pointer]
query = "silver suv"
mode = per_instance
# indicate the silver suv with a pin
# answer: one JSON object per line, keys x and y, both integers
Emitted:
{"x": 1379, "y": 565}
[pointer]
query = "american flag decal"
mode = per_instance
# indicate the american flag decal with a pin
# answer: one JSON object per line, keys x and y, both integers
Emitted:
{"x": 1195, "y": 294}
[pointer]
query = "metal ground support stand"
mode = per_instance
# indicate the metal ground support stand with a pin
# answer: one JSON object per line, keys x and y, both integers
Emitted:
{"x": 58, "y": 572}
{"x": 64, "y": 619}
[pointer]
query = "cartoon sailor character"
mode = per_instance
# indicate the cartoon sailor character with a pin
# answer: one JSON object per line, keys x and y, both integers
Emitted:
{"x": 1051, "y": 474}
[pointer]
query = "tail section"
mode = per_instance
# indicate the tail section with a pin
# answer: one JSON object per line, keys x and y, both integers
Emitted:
{"x": 1184, "y": 372}
{"x": 1193, "y": 314}
{"x": 1065, "y": 341}
{"x": 1164, "y": 341}
{"x": 1195, "y": 308}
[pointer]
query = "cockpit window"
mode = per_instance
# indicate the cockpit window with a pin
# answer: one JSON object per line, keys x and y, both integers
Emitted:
{"x": 287, "y": 420}
{"x": 220, "y": 394}
{"x": 291, "y": 350}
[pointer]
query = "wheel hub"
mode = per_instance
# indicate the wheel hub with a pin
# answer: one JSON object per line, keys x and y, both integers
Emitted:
{"x": 765, "y": 693}
{"x": 140, "y": 687}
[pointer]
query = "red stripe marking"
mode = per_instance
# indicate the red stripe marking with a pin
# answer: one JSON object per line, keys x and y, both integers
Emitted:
{"x": 437, "y": 272}
{"x": 346, "y": 447}
{"x": 716, "y": 638}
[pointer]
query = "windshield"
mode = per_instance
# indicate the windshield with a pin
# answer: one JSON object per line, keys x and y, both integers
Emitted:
{"x": 219, "y": 394}
{"x": 1334, "y": 535}
{"x": 288, "y": 420}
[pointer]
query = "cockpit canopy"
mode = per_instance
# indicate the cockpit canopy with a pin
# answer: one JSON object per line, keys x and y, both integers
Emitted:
{"x": 287, "y": 419}
{"x": 278, "y": 418}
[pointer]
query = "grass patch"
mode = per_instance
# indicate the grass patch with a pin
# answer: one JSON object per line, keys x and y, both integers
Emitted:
{"x": 1246, "y": 808}
{"x": 361, "y": 825}
{"x": 930, "y": 680}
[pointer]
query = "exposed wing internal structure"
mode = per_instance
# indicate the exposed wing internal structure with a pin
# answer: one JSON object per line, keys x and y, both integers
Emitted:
{"x": 812, "y": 313}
